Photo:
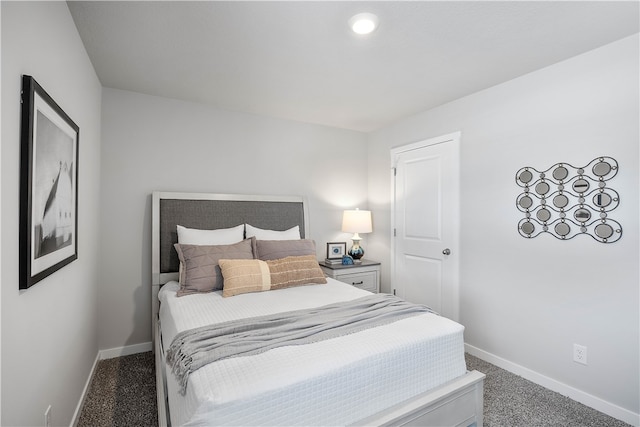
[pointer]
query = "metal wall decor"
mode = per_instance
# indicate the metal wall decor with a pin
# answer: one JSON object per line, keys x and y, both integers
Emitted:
{"x": 566, "y": 201}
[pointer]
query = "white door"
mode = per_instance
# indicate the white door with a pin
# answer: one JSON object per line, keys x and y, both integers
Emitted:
{"x": 425, "y": 223}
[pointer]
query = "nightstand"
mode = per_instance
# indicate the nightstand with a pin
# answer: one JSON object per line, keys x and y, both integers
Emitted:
{"x": 365, "y": 275}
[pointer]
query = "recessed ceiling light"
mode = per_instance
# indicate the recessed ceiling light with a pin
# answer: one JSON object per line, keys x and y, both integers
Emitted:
{"x": 363, "y": 23}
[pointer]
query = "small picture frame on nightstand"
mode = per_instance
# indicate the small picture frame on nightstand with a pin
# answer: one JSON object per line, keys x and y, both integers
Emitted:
{"x": 336, "y": 250}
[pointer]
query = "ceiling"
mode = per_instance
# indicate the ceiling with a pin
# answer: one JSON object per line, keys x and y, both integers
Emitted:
{"x": 299, "y": 60}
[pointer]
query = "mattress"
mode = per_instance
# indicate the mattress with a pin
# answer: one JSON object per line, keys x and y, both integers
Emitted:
{"x": 333, "y": 382}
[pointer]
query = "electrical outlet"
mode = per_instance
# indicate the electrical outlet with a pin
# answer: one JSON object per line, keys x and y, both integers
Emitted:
{"x": 47, "y": 417}
{"x": 580, "y": 354}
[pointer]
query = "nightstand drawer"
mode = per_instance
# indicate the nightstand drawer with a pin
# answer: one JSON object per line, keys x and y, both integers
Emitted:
{"x": 366, "y": 281}
{"x": 364, "y": 275}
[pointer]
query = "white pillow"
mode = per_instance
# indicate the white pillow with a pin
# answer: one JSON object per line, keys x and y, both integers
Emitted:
{"x": 222, "y": 236}
{"x": 291, "y": 234}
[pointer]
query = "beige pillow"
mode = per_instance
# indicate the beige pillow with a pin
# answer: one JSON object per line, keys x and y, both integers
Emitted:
{"x": 201, "y": 272}
{"x": 244, "y": 275}
{"x": 295, "y": 271}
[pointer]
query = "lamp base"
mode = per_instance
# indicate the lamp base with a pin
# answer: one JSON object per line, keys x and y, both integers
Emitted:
{"x": 356, "y": 252}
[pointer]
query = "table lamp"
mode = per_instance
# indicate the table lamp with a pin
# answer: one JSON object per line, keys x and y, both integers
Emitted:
{"x": 356, "y": 221}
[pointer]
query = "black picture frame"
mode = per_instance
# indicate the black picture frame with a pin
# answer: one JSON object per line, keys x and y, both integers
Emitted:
{"x": 336, "y": 250}
{"x": 48, "y": 185}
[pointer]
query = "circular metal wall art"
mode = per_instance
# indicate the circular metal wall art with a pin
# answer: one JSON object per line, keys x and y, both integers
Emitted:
{"x": 566, "y": 201}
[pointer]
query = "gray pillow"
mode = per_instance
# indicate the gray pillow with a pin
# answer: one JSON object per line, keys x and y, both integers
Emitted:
{"x": 276, "y": 249}
{"x": 201, "y": 272}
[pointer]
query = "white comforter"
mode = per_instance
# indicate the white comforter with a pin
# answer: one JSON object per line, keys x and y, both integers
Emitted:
{"x": 333, "y": 382}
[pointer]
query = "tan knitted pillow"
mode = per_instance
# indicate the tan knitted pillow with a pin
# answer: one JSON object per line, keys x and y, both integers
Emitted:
{"x": 244, "y": 275}
{"x": 295, "y": 271}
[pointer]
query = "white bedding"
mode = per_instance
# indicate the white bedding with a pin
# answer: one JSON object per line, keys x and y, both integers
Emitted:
{"x": 332, "y": 382}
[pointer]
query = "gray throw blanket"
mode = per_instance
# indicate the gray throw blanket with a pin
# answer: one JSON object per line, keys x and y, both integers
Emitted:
{"x": 195, "y": 348}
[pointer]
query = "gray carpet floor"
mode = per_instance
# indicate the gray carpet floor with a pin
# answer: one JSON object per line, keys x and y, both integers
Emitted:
{"x": 512, "y": 401}
{"x": 123, "y": 393}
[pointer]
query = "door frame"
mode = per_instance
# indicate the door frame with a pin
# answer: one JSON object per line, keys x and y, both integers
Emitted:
{"x": 453, "y": 138}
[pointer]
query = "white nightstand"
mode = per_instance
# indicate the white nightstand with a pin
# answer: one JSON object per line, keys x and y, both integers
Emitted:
{"x": 365, "y": 275}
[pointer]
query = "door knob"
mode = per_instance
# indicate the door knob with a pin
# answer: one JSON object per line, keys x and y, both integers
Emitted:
{"x": 447, "y": 251}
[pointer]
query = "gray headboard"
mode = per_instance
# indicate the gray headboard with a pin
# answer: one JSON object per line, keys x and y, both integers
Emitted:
{"x": 213, "y": 211}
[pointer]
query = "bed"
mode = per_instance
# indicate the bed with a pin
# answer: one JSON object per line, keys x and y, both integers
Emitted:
{"x": 409, "y": 372}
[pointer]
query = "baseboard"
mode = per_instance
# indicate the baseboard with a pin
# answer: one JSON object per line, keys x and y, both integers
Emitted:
{"x": 83, "y": 396}
{"x": 554, "y": 385}
{"x": 125, "y": 351}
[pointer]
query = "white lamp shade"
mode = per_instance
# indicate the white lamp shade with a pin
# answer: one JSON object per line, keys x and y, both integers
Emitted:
{"x": 356, "y": 221}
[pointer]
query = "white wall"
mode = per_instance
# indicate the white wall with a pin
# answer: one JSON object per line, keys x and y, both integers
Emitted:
{"x": 0, "y": 222}
{"x": 151, "y": 143}
{"x": 49, "y": 332}
{"x": 525, "y": 302}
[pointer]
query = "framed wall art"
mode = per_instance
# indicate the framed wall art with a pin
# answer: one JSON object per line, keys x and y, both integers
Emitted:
{"x": 48, "y": 186}
{"x": 336, "y": 250}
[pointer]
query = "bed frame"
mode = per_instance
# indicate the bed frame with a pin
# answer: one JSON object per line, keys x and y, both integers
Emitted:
{"x": 456, "y": 403}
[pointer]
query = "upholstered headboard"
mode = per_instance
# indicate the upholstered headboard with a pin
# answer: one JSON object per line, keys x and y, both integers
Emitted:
{"x": 208, "y": 212}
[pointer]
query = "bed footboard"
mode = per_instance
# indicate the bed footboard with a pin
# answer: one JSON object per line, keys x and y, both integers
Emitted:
{"x": 456, "y": 403}
{"x": 161, "y": 380}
